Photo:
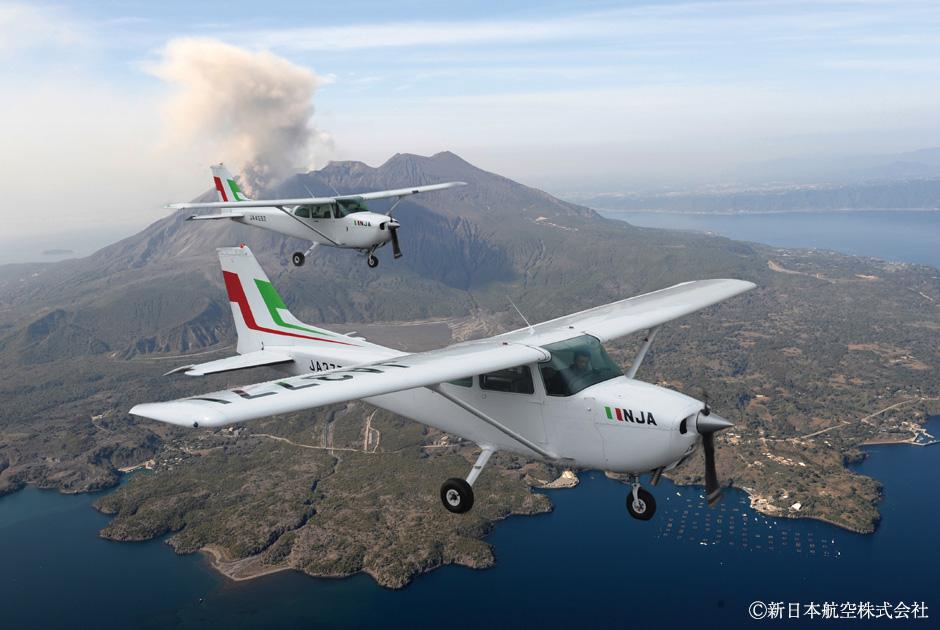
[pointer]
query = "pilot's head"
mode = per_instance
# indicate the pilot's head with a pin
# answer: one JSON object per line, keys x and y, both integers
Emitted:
{"x": 582, "y": 361}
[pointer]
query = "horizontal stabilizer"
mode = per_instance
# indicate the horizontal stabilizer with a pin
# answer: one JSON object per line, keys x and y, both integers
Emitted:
{"x": 238, "y": 362}
{"x": 209, "y": 217}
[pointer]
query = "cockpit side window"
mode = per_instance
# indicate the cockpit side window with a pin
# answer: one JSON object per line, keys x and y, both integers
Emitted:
{"x": 302, "y": 211}
{"x": 576, "y": 364}
{"x": 348, "y": 206}
{"x": 321, "y": 212}
{"x": 517, "y": 380}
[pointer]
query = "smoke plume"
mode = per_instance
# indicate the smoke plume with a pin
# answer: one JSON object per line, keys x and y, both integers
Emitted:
{"x": 250, "y": 108}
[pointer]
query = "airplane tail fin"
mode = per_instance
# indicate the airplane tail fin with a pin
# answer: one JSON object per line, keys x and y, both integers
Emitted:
{"x": 261, "y": 317}
{"x": 225, "y": 184}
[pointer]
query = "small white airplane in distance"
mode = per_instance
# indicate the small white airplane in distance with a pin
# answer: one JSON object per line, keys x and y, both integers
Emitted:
{"x": 342, "y": 221}
{"x": 548, "y": 391}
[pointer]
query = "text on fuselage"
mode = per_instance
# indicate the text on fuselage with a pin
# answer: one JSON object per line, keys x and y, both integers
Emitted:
{"x": 628, "y": 415}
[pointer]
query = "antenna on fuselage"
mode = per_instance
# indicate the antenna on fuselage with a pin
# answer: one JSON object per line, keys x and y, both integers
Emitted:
{"x": 531, "y": 330}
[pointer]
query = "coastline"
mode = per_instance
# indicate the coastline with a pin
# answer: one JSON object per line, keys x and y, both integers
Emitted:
{"x": 908, "y": 442}
{"x": 252, "y": 567}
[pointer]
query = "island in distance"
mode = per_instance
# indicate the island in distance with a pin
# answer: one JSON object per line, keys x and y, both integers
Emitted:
{"x": 828, "y": 353}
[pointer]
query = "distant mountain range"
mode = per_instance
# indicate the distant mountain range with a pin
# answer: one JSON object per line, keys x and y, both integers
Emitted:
{"x": 920, "y": 194}
{"x": 847, "y": 169}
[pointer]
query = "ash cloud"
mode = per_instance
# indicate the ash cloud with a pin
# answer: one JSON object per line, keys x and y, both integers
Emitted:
{"x": 252, "y": 109}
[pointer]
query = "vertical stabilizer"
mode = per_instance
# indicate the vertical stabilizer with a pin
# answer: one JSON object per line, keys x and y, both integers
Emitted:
{"x": 261, "y": 317}
{"x": 225, "y": 185}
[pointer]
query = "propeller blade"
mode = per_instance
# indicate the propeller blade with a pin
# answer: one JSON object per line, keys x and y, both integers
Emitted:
{"x": 396, "y": 249}
{"x": 712, "y": 489}
{"x": 707, "y": 424}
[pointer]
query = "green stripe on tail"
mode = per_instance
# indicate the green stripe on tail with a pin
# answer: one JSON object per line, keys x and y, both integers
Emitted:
{"x": 274, "y": 302}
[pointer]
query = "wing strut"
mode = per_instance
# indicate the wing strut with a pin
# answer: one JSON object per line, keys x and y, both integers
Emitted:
{"x": 496, "y": 424}
{"x": 647, "y": 342}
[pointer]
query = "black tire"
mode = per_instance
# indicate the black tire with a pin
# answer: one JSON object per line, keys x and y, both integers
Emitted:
{"x": 457, "y": 495}
{"x": 646, "y": 505}
{"x": 298, "y": 259}
{"x": 372, "y": 261}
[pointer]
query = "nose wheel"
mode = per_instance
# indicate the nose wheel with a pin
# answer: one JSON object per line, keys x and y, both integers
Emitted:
{"x": 372, "y": 261}
{"x": 640, "y": 503}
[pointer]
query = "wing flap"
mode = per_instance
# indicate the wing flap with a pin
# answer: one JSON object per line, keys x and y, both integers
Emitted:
{"x": 316, "y": 390}
{"x": 238, "y": 362}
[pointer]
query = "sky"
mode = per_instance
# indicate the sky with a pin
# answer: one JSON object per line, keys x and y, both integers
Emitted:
{"x": 109, "y": 110}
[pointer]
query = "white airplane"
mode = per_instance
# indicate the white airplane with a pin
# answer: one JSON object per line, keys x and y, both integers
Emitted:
{"x": 548, "y": 391}
{"x": 342, "y": 221}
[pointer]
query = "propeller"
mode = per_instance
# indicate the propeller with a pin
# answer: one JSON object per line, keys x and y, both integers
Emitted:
{"x": 707, "y": 424}
{"x": 393, "y": 232}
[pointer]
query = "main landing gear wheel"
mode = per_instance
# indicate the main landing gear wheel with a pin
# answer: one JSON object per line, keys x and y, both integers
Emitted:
{"x": 457, "y": 495}
{"x": 643, "y": 507}
{"x": 372, "y": 261}
{"x": 298, "y": 259}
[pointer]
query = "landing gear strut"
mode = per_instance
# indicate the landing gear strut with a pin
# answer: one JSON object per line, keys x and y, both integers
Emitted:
{"x": 456, "y": 493}
{"x": 640, "y": 504}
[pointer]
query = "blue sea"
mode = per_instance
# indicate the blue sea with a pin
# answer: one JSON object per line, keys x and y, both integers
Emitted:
{"x": 904, "y": 236}
{"x": 585, "y": 563}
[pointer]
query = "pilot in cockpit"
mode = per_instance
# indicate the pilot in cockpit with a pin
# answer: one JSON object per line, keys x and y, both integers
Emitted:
{"x": 580, "y": 368}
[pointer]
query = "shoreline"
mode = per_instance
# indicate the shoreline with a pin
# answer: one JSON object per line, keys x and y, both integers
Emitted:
{"x": 226, "y": 567}
{"x": 230, "y": 568}
{"x": 908, "y": 442}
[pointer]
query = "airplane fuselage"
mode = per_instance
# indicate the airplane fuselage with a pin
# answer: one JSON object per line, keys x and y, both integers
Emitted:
{"x": 622, "y": 424}
{"x": 360, "y": 230}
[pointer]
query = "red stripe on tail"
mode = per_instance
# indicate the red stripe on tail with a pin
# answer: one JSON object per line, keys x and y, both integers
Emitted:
{"x": 220, "y": 188}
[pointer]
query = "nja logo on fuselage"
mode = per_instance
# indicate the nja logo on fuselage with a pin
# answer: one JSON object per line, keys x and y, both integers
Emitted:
{"x": 626, "y": 415}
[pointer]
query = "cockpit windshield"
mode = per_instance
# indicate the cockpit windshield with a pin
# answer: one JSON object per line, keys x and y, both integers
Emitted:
{"x": 577, "y": 364}
{"x": 348, "y": 206}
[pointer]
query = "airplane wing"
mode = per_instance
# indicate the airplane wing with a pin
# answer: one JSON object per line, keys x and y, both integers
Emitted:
{"x": 325, "y": 388}
{"x": 403, "y": 192}
{"x": 238, "y": 362}
{"x": 272, "y": 203}
{"x": 642, "y": 312}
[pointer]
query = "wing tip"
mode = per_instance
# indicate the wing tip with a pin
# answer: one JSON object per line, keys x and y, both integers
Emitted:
{"x": 178, "y": 413}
